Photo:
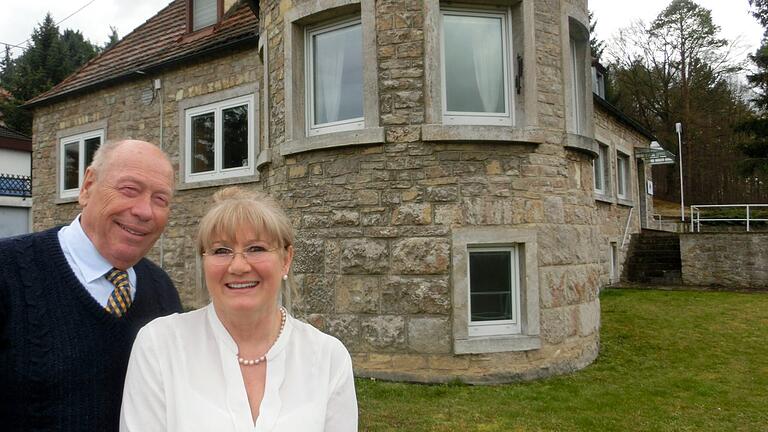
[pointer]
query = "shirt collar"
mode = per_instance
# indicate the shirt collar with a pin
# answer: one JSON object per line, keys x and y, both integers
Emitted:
{"x": 92, "y": 265}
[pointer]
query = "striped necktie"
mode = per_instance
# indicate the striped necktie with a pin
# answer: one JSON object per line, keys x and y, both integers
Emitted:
{"x": 120, "y": 299}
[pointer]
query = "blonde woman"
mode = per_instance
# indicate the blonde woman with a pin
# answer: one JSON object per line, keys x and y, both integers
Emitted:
{"x": 242, "y": 363}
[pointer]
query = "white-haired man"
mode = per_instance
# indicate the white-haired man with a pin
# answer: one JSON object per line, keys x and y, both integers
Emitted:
{"x": 73, "y": 298}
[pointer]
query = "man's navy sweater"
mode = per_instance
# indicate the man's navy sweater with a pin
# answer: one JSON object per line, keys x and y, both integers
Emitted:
{"x": 62, "y": 356}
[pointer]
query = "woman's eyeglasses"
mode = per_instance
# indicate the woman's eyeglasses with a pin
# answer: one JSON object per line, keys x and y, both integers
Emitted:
{"x": 223, "y": 255}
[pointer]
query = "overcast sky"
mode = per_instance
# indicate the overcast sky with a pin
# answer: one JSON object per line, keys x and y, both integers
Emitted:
{"x": 19, "y": 17}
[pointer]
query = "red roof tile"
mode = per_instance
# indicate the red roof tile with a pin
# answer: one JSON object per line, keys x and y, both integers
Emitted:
{"x": 161, "y": 40}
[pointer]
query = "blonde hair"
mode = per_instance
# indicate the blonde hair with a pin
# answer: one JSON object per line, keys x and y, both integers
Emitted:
{"x": 234, "y": 209}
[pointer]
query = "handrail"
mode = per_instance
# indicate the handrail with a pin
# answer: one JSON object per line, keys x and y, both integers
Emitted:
{"x": 696, "y": 218}
{"x": 626, "y": 228}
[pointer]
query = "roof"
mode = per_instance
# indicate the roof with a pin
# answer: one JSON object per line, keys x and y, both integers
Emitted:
{"x": 161, "y": 41}
{"x": 13, "y": 140}
{"x": 627, "y": 120}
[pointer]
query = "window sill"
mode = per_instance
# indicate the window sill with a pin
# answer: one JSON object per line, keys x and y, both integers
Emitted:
{"x": 218, "y": 182}
{"x": 581, "y": 143}
{"x": 625, "y": 202}
{"x": 495, "y": 344}
{"x": 331, "y": 140}
{"x": 265, "y": 157}
{"x": 65, "y": 200}
{"x": 440, "y": 132}
{"x": 604, "y": 198}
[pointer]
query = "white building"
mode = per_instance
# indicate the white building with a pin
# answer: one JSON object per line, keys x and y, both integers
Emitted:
{"x": 15, "y": 183}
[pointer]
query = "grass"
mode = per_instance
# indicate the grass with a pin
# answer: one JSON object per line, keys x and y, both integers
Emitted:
{"x": 669, "y": 361}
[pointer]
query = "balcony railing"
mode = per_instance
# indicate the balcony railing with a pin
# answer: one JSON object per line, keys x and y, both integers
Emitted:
{"x": 15, "y": 185}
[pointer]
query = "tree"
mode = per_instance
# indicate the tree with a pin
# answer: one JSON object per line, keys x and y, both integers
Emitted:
{"x": 113, "y": 39}
{"x": 678, "y": 69}
{"x": 597, "y": 46}
{"x": 50, "y": 58}
{"x": 754, "y": 145}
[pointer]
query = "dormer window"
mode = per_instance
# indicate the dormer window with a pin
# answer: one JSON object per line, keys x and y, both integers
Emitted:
{"x": 204, "y": 13}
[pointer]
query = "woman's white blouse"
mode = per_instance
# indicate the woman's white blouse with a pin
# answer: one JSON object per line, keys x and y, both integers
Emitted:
{"x": 183, "y": 375}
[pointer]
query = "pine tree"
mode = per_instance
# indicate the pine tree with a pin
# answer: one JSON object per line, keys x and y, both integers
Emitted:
{"x": 755, "y": 144}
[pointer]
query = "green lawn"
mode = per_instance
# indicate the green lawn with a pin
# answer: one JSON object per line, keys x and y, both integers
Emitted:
{"x": 669, "y": 361}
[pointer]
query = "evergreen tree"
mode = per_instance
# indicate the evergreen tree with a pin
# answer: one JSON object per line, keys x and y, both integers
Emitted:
{"x": 678, "y": 69}
{"x": 51, "y": 57}
{"x": 597, "y": 46}
{"x": 113, "y": 39}
{"x": 755, "y": 129}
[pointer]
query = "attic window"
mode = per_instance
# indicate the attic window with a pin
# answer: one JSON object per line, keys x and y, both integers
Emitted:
{"x": 204, "y": 13}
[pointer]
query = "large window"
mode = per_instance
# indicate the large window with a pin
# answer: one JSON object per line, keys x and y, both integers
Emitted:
{"x": 204, "y": 13}
{"x": 75, "y": 154}
{"x": 219, "y": 140}
{"x": 622, "y": 175}
{"x": 494, "y": 291}
{"x": 475, "y": 53}
{"x": 334, "y": 62}
{"x": 600, "y": 165}
{"x": 578, "y": 92}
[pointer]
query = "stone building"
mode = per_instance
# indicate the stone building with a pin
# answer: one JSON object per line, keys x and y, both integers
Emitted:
{"x": 459, "y": 196}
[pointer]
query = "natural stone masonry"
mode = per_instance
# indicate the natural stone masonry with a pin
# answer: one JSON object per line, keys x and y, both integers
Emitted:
{"x": 375, "y": 222}
{"x": 731, "y": 260}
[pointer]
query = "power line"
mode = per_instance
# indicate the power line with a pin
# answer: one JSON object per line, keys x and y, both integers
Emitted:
{"x": 59, "y": 22}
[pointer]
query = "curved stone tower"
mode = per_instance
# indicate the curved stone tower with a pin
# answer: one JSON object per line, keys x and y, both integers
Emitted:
{"x": 436, "y": 161}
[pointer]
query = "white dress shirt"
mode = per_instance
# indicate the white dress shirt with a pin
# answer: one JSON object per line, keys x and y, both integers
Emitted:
{"x": 183, "y": 375}
{"x": 88, "y": 264}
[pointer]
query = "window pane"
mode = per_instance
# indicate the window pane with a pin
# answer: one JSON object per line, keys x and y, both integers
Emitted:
{"x": 91, "y": 145}
{"x": 203, "y": 13}
{"x": 338, "y": 74}
{"x": 71, "y": 168}
{"x": 202, "y": 143}
{"x": 235, "y": 132}
{"x": 598, "y": 168}
{"x": 474, "y": 68}
{"x": 490, "y": 284}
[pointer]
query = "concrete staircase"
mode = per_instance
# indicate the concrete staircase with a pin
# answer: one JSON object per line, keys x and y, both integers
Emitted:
{"x": 653, "y": 257}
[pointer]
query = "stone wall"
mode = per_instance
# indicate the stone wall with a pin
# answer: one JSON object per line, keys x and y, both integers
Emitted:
{"x": 728, "y": 260}
{"x": 375, "y": 222}
{"x": 619, "y": 218}
{"x": 120, "y": 110}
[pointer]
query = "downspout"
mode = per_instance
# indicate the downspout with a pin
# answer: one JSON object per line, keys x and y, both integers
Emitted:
{"x": 157, "y": 85}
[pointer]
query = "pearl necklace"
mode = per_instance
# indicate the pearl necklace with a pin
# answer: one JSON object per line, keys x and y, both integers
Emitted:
{"x": 263, "y": 358}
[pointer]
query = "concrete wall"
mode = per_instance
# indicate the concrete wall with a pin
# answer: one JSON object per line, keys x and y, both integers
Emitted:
{"x": 729, "y": 260}
{"x": 15, "y": 162}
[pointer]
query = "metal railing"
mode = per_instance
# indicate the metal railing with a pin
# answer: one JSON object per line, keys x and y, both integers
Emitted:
{"x": 697, "y": 219}
{"x": 15, "y": 185}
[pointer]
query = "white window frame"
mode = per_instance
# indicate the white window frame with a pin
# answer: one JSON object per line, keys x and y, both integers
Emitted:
{"x": 341, "y": 125}
{"x": 477, "y": 118}
{"x": 216, "y": 108}
{"x": 498, "y": 327}
{"x": 524, "y": 241}
{"x": 578, "y": 79}
{"x": 622, "y": 175}
{"x": 600, "y": 164}
{"x": 80, "y": 140}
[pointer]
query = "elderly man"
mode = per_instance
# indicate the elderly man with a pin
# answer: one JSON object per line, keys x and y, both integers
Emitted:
{"x": 73, "y": 298}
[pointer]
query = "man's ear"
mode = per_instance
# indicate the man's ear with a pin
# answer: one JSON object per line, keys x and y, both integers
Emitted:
{"x": 85, "y": 190}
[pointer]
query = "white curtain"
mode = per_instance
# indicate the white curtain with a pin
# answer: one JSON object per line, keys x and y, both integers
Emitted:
{"x": 487, "y": 58}
{"x": 329, "y": 64}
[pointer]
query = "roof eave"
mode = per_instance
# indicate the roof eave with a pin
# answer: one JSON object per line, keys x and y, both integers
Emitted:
{"x": 242, "y": 41}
